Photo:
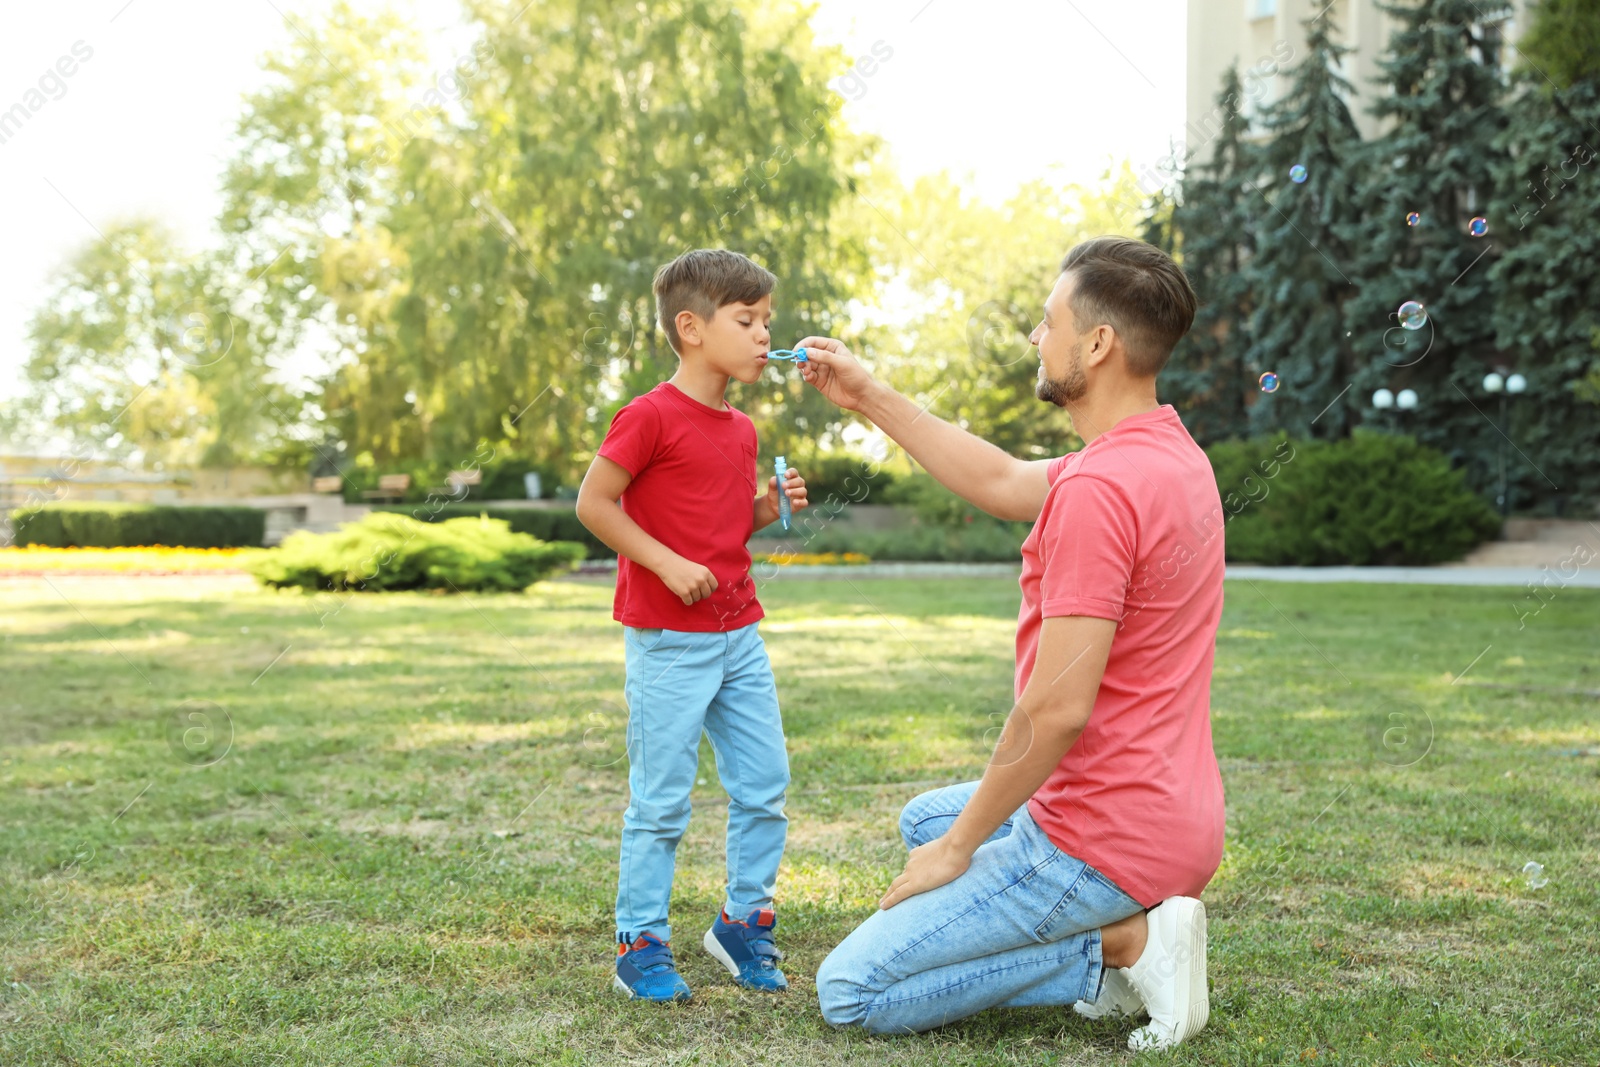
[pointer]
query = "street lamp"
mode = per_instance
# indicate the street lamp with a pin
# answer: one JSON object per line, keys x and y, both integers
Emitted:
{"x": 1497, "y": 382}
{"x": 1385, "y": 401}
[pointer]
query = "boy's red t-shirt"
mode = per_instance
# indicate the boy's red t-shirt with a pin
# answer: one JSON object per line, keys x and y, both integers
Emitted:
{"x": 694, "y": 488}
{"x": 1131, "y": 530}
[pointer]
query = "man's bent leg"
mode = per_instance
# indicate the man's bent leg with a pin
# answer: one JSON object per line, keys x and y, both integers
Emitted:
{"x": 930, "y": 815}
{"x": 1020, "y": 927}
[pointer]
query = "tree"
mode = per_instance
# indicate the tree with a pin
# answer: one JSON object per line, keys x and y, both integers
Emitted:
{"x": 1562, "y": 45}
{"x": 1305, "y": 193}
{"x": 975, "y": 276}
{"x": 146, "y": 353}
{"x": 604, "y": 140}
{"x": 1441, "y": 96}
{"x": 1547, "y": 313}
{"x": 1212, "y": 234}
{"x": 443, "y": 265}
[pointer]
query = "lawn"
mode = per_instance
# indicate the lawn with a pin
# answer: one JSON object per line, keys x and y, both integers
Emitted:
{"x": 258, "y": 828}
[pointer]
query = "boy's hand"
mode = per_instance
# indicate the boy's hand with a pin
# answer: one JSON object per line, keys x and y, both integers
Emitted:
{"x": 688, "y": 581}
{"x": 835, "y": 372}
{"x": 794, "y": 487}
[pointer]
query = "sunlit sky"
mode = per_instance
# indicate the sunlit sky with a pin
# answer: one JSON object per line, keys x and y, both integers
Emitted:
{"x": 998, "y": 92}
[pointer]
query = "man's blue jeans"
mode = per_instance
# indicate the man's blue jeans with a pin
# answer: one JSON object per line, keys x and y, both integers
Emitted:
{"x": 678, "y": 684}
{"x": 1021, "y": 927}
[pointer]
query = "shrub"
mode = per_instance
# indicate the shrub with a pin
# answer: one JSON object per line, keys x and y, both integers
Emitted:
{"x": 547, "y": 524}
{"x": 500, "y": 479}
{"x": 851, "y": 478}
{"x": 981, "y": 542}
{"x": 389, "y": 552}
{"x": 91, "y": 525}
{"x": 1373, "y": 498}
{"x": 932, "y": 502}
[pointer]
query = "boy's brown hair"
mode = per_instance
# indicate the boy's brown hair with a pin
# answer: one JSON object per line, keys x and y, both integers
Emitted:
{"x": 703, "y": 280}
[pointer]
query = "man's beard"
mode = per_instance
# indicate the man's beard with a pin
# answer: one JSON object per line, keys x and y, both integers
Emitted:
{"x": 1064, "y": 391}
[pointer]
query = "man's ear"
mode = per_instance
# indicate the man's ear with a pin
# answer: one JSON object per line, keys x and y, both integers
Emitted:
{"x": 689, "y": 326}
{"x": 1102, "y": 339}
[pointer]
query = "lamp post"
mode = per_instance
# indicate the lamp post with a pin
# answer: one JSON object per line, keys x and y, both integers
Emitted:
{"x": 1385, "y": 401}
{"x": 1504, "y": 386}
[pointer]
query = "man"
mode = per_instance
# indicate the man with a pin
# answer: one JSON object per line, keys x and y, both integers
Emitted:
{"x": 1068, "y": 873}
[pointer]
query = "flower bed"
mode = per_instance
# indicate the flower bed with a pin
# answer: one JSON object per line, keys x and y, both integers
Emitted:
{"x": 812, "y": 559}
{"x": 35, "y": 560}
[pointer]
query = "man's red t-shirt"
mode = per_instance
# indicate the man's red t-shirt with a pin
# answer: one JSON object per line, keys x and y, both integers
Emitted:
{"x": 1131, "y": 530}
{"x": 693, "y": 489}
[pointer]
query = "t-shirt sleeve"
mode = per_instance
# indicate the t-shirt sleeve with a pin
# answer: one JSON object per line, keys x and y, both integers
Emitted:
{"x": 1090, "y": 537}
{"x": 631, "y": 440}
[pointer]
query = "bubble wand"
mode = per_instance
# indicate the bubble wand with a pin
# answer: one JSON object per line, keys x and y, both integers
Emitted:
{"x": 798, "y": 355}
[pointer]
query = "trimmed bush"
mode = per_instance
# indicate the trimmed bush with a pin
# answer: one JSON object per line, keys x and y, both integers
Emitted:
{"x": 983, "y": 541}
{"x": 933, "y": 503}
{"x": 138, "y": 525}
{"x": 547, "y": 524}
{"x": 1371, "y": 499}
{"x": 386, "y": 552}
{"x": 501, "y": 479}
{"x": 846, "y": 477}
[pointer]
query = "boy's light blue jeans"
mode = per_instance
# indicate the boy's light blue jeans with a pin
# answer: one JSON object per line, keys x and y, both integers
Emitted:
{"x": 1021, "y": 927}
{"x": 678, "y": 684}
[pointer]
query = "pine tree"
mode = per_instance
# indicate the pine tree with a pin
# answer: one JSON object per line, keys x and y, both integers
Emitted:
{"x": 1440, "y": 96}
{"x": 1209, "y": 229}
{"x": 1301, "y": 274}
{"x": 1548, "y": 309}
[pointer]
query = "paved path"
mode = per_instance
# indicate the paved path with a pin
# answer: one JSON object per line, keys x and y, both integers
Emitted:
{"x": 1585, "y": 577}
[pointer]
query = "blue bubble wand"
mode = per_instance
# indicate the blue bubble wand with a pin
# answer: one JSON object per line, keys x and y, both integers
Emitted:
{"x": 798, "y": 355}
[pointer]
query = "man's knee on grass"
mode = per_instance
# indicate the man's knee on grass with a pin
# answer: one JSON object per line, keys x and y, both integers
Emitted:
{"x": 839, "y": 997}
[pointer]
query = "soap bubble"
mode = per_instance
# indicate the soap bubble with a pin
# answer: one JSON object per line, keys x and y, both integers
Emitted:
{"x": 1269, "y": 382}
{"x": 1478, "y": 226}
{"x": 1297, "y": 174}
{"x": 1535, "y": 873}
{"x": 1412, "y": 315}
{"x": 1413, "y": 219}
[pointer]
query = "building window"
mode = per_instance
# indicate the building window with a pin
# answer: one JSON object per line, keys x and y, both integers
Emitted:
{"x": 1489, "y": 42}
{"x": 1260, "y": 9}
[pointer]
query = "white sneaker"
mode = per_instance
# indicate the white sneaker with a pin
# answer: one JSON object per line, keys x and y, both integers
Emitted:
{"x": 1117, "y": 998}
{"x": 1170, "y": 976}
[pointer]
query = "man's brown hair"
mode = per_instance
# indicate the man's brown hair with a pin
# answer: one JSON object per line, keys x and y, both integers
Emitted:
{"x": 1136, "y": 289}
{"x": 703, "y": 280}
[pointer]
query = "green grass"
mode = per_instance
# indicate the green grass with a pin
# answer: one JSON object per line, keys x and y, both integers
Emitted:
{"x": 407, "y": 855}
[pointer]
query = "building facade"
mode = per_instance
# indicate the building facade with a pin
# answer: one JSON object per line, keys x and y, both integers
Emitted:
{"x": 1267, "y": 37}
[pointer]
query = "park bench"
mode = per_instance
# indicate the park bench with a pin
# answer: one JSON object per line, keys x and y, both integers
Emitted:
{"x": 459, "y": 482}
{"x": 330, "y": 484}
{"x": 390, "y": 487}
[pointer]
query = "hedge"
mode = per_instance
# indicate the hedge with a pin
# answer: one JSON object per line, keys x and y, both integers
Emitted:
{"x": 386, "y": 552}
{"x": 547, "y": 524}
{"x": 1370, "y": 499}
{"x": 90, "y": 525}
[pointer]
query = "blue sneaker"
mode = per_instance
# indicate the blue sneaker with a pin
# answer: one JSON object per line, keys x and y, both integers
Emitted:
{"x": 747, "y": 950}
{"x": 645, "y": 970}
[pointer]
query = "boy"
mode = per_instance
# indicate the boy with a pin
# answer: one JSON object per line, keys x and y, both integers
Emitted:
{"x": 682, "y": 464}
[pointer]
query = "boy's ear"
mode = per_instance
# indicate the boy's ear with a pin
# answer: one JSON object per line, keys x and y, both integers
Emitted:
{"x": 689, "y": 325}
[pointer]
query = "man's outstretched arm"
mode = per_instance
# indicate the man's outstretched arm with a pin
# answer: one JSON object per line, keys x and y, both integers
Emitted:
{"x": 972, "y": 468}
